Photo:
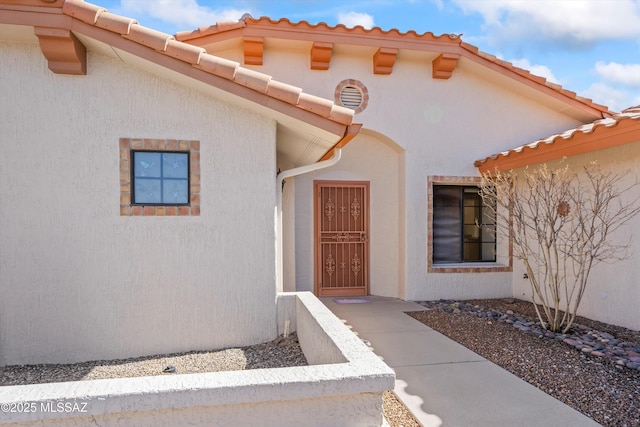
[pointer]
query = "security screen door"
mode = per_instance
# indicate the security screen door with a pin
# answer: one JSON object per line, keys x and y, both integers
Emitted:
{"x": 341, "y": 238}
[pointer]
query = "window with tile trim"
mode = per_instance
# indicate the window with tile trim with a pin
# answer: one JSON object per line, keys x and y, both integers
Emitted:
{"x": 159, "y": 178}
{"x": 164, "y": 192}
{"x": 461, "y": 232}
{"x": 467, "y": 250}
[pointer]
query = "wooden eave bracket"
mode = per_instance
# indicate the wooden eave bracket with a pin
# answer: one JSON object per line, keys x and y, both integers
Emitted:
{"x": 444, "y": 65}
{"x": 321, "y": 55}
{"x": 253, "y": 50}
{"x": 384, "y": 59}
{"x": 64, "y": 52}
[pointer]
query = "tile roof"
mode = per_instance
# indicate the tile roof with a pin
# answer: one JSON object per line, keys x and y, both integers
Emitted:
{"x": 450, "y": 43}
{"x": 621, "y": 128}
{"x": 197, "y": 57}
{"x": 248, "y": 21}
{"x": 536, "y": 79}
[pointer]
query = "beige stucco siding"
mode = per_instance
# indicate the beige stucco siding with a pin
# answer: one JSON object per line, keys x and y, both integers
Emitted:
{"x": 366, "y": 158}
{"x": 77, "y": 280}
{"x": 612, "y": 293}
{"x": 439, "y": 127}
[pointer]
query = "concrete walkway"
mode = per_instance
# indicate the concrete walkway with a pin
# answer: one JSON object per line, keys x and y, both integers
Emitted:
{"x": 443, "y": 383}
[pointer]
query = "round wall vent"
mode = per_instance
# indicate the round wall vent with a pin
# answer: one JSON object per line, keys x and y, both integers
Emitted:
{"x": 351, "y": 97}
{"x": 352, "y": 94}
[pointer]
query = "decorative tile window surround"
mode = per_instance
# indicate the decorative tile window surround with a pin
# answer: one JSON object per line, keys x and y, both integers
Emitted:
{"x": 159, "y": 178}
{"x": 129, "y": 144}
{"x": 458, "y": 267}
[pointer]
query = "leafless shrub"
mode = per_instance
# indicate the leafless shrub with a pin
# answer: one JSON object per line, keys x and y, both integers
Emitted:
{"x": 561, "y": 222}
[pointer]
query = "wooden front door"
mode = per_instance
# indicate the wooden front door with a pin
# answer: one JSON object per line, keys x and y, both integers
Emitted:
{"x": 341, "y": 238}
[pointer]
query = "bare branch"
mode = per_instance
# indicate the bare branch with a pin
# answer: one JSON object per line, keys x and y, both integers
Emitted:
{"x": 561, "y": 222}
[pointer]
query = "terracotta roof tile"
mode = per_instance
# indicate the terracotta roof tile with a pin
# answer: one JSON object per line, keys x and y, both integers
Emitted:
{"x": 85, "y": 12}
{"x": 537, "y": 79}
{"x": 167, "y": 44}
{"x": 451, "y": 43}
{"x": 184, "y": 52}
{"x": 316, "y": 104}
{"x": 358, "y": 29}
{"x": 149, "y": 37}
{"x": 340, "y": 114}
{"x": 219, "y": 27}
{"x": 248, "y": 20}
{"x": 220, "y": 67}
{"x": 252, "y": 79}
{"x": 284, "y": 92}
{"x": 471, "y": 48}
{"x": 115, "y": 23}
{"x": 565, "y": 143}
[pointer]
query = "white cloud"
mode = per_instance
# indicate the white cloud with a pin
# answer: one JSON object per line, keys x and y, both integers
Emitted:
{"x": 538, "y": 70}
{"x": 623, "y": 74}
{"x": 568, "y": 22}
{"x": 572, "y": 25}
{"x": 615, "y": 99}
{"x": 184, "y": 13}
{"x": 352, "y": 19}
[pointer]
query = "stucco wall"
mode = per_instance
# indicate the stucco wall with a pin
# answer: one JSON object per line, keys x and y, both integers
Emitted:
{"x": 80, "y": 282}
{"x": 441, "y": 127}
{"x": 288, "y": 235}
{"x": 367, "y": 158}
{"x": 361, "y": 410}
{"x": 612, "y": 294}
{"x": 346, "y": 390}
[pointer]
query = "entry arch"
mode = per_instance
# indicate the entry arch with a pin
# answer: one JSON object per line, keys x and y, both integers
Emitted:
{"x": 378, "y": 159}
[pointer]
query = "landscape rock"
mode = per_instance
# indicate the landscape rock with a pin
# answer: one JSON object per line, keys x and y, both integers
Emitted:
{"x": 581, "y": 337}
{"x": 595, "y": 382}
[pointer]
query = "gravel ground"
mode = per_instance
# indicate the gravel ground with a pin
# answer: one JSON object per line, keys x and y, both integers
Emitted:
{"x": 600, "y": 389}
{"x": 396, "y": 413}
{"x": 279, "y": 353}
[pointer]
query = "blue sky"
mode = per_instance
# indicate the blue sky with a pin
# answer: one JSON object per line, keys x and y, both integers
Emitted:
{"x": 589, "y": 46}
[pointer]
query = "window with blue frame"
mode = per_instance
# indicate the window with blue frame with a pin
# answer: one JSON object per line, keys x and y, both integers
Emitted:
{"x": 160, "y": 178}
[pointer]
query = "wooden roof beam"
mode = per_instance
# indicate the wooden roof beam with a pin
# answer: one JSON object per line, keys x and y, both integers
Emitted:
{"x": 444, "y": 64}
{"x": 64, "y": 52}
{"x": 321, "y": 55}
{"x": 253, "y": 50}
{"x": 384, "y": 59}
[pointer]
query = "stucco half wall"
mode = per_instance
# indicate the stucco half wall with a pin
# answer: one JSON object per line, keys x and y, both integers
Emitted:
{"x": 612, "y": 294}
{"x": 81, "y": 282}
{"x": 342, "y": 386}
